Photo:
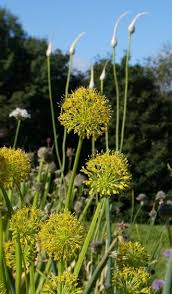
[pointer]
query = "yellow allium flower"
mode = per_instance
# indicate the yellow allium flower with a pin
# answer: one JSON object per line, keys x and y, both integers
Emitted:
{"x": 14, "y": 166}
{"x": 26, "y": 222}
{"x": 132, "y": 254}
{"x": 107, "y": 174}
{"x": 68, "y": 282}
{"x": 86, "y": 112}
{"x": 61, "y": 236}
{"x": 131, "y": 281}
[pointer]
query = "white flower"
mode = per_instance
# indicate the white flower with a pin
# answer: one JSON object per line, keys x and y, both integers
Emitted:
{"x": 131, "y": 27}
{"x": 75, "y": 42}
{"x": 20, "y": 114}
{"x": 114, "y": 38}
{"x": 91, "y": 84}
{"x": 49, "y": 50}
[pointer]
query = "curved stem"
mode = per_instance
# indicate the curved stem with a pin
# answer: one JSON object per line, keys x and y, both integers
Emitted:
{"x": 125, "y": 92}
{"x": 17, "y": 133}
{"x": 52, "y": 111}
{"x": 70, "y": 187}
{"x": 7, "y": 201}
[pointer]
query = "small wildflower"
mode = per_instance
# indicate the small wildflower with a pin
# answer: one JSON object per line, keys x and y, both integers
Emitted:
{"x": 131, "y": 27}
{"x": 158, "y": 284}
{"x": 132, "y": 254}
{"x": 61, "y": 236}
{"x": 114, "y": 37}
{"x": 49, "y": 49}
{"x": 45, "y": 154}
{"x": 129, "y": 280}
{"x": 68, "y": 282}
{"x": 20, "y": 114}
{"x": 107, "y": 174}
{"x": 160, "y": 195}
{"x": 86, "y": 112}
{"x": 75, "y": 42}
{"x": 167, "y": 252}
{"x": 141, "y": 197}
{"x": 15, "y": 166}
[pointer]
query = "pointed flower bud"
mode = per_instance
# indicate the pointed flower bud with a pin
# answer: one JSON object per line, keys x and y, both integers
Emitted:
{"x": 91, "y": 84}
{"x": 103, "y": 74}
{"x": 75, "y": 42}
{"x": 49, "y": 49}
{"x": 114, "y": 38}
{"x": 131, "y": 27}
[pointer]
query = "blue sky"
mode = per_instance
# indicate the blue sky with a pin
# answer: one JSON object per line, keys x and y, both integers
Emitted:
{"x": 62, "y": 20}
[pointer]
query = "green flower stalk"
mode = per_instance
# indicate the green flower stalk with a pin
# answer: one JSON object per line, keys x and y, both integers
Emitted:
{"x": 114, "y": 43}
{"x": 61, "y": 236}
{"x": 129, "y": 280}
{"x": 87, "y": 113}
{"x": 131, "y": 30}
{"x": 67, "y": 281}
{"x": 108, "y": 174}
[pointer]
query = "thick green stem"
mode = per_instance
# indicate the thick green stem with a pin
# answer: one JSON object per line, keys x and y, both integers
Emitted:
{"x": 32, "y": 278}
{"x": 108, "y": 282}
{"x": 125, "y": 92}
{"x": 60, "y": 272}
{"x": 86, "y": 208}
{"x": 87, "y": 239}
{"x": 2, "y": 271}
{"x": 52, "y": 111}
{"x": 65, "y": 132}
{"x": 36, "y": 195}
{"x": 18, "y": 265}
{"x": 70, "y": 188}
{"x": 99, "y": 268}
{"x": 117, "y": 98}
{"x": 17, "y": 133}
{"x": 168, "y": 278}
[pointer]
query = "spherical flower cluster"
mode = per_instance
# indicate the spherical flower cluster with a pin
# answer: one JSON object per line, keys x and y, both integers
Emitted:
{"x": 129, "y": 280}
{"x": 107, "y": 174}
{"x": 132, "y": 254}
{"x": 68, "y": 282}
{"x": 86, "y": 112}
{"x": 20, "y": 114}
{"x": 61, "y": 236}
{"x": 26, "y": 222}
{"x": 15, "y": 166}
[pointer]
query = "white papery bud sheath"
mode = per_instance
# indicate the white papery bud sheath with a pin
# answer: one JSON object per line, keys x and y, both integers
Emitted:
{"x": 103, "y": 75}
{"x": 131, "y": 27}
{"x": 91, "y": 84}
{"x": 75, "y": 42}
{"x": 114, "y": 41}
{"x": 49, "y": 49}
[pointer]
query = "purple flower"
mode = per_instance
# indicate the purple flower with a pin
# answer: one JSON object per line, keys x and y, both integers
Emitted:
{"x": 167, "y": 252}
{"x": 158, "y": 284}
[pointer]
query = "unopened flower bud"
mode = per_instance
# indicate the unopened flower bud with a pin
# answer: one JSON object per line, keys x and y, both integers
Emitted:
{"x": 114, "y": 41}
{"x": 91, "y": 84}
{"x": 103, "y": 75}
{"x": 49, "y": 50}
{"x": 131, "y": 27}
{"x": 75, "y": 42}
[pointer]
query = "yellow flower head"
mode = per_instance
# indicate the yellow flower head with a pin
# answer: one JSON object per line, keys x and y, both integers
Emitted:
{"x": 15, "y": 166}
{"x": 68, "y": 282}
{"x": 131, "y": 281}
{"x": 86, "y": 112}
{"x": 61, "y": 236}
{"x": 107, "y": 174}
{"x": 25, "y": 222}
{"x": 132, "y": 254}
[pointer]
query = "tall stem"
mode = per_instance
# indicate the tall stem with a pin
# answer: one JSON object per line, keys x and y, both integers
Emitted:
{"x": 117, "y": 98}
{"x": 108, "y": 282}
{"x": 17, "y": 133}
{"x": 70, "y": 187}
{"x": 125, "y": 92}
{"x": 32, "y": 278}
{"x": 65, "y": 132}
{"x": 18, "y": 265}
{"x": 7, "y": 201}
{"x": 2, "y": 272}
{"x": 87, "y": 239}
{"x": 52, "y": 111}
